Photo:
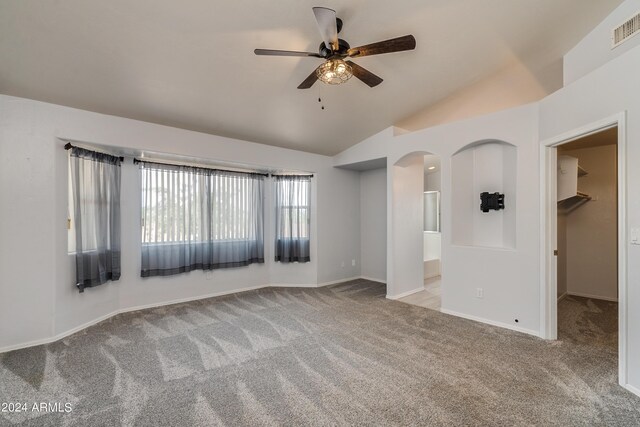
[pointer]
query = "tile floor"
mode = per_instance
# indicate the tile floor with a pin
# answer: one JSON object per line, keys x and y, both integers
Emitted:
{"x": 429, "y": 298}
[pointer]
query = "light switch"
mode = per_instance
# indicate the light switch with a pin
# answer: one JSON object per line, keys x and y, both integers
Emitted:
{"x": 635, "y": 236}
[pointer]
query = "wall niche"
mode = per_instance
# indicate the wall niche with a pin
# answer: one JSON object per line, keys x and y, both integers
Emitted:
{"x": 489, "y": 166}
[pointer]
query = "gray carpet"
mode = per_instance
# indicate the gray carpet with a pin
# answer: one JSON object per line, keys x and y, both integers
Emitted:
{"x": 585, "y": 321}
{"x": 340, "y": 355}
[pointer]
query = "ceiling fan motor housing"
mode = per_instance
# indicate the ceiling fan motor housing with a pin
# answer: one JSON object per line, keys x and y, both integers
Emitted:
{"x": 343, "y": 47}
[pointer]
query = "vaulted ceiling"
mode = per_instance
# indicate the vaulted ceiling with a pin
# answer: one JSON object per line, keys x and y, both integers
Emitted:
{"x": 190, "y": 64}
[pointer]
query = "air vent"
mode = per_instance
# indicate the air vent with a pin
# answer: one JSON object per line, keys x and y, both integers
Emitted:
{"x": 625, "y": 31}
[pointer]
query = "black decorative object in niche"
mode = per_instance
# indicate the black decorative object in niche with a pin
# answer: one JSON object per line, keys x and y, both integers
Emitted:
{"x": 491, "y": 201}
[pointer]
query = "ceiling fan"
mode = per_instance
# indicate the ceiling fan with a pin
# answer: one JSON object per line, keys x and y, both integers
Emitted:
{"x": 334, "y": 51}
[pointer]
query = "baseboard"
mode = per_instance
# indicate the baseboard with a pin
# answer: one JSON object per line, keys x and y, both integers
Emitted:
{"x": 312, "y": 285}
{"x": 334, "y": 282}
{"x": 60, "y": 336}
{"x": 632, "y": 389}
{"x": 189, "y": 299}
{"x": 160, "y": 304}
{"x": 490, "y": 322}
{"x": 561, "y": 297}
{"x": 405, "y": 294}
{"x": 120, "y": 311}
{"x": 371, "y": 279}
{"x": 580, "y": 294}
{"x": 291, "y": 285}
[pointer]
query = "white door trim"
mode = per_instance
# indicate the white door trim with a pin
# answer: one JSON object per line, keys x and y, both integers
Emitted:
{"x": 548, "y": 233}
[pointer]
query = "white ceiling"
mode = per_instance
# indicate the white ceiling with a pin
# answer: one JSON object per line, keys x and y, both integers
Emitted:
{"x": 598, "y": 139}
{"x": 190, "y": 64}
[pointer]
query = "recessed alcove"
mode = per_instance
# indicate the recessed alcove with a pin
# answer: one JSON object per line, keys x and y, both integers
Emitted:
{"x": 484, "y": 166}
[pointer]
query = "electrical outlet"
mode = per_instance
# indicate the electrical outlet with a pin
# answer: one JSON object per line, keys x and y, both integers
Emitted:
{"x": 479, "y": 293}
{"x": 342, "y": 265}
{"x": 353, "y": 262}
{"x": 208, "y": 274}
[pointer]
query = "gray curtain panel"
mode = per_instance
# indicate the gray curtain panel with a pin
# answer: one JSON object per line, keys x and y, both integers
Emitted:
{"x": 293, "y": 216}
{"x": 95, "y": 184}
{"x": 199, "y": 219}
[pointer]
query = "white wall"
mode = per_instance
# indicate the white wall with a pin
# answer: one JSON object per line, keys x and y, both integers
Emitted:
{"x": 38, "y": 300}
{"x": 514, "y": 291}
{"x": 591, "y": 230}
{"x": 407, "y": 225}
{"x": 432, "y": 246}
{"x": 595, "y": 49}
{"x": 489, "y": 166}
{"x": 373, "y": 224}
{"x": 609, "y": 90}
{"x": 432, "y": 181}
{"x": 338, "y": 235}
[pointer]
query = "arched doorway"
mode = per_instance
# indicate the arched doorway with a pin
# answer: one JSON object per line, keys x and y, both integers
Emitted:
{"x": 414, "y": 273}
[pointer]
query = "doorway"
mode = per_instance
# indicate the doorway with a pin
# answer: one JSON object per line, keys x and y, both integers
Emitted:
{"x": 431, "y": 236}
{"x": 432, "y": 249}
{"x": 587, "y": 241}
{"x": 583, "y": 215}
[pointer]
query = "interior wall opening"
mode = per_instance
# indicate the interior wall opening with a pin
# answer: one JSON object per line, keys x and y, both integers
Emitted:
{"x": 587, "y": 243}
{"x": 430, "y": 297}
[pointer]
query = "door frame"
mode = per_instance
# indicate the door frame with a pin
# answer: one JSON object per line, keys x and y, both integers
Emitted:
{"x": 549, "y": 235}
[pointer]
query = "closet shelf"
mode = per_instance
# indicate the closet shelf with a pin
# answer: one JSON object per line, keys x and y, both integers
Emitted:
{"x": 568, "y": 196}
{"x": 572, "y": 203}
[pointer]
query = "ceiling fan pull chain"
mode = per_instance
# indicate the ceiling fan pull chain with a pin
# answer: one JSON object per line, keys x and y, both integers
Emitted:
{"x": 320, "y": 97}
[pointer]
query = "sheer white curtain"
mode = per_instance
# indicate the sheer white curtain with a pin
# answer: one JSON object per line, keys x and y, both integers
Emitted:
{"x": 198, "y": 218}
{"x": 95, "y": 216}
{"x": 293, "y": 216}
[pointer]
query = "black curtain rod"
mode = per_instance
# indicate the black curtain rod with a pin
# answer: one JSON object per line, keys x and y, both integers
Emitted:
{"x": 69, "y": 146}
{"x": 136, "y": 161}
{"x": 293, "y": 174}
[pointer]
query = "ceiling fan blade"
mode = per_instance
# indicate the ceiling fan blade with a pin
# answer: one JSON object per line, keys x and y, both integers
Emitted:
{"x": 327, "y": 24}
{"x": 393, "y": 45}
{"x": 272, "y": 52}
{"x": 309, "y": 81}
{"x": 365, "y": 75}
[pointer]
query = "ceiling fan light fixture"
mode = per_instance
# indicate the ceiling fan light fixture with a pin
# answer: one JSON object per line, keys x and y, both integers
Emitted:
{"x": 334, "y": 72}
